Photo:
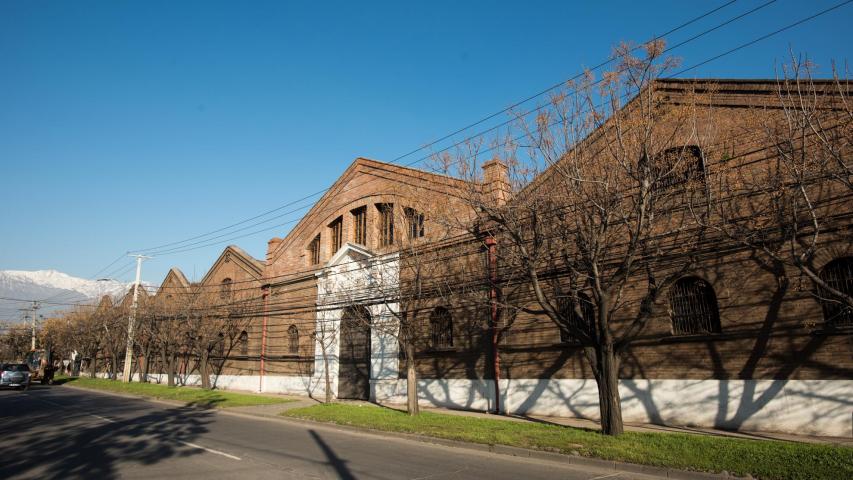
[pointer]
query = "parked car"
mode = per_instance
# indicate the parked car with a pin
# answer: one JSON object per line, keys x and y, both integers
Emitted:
{"x": 15, "y": 375}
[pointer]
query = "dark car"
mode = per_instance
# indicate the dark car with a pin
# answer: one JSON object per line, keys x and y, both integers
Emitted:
{"x": 15, "y": 375}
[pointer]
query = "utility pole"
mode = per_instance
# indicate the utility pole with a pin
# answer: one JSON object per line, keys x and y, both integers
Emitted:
{"x": 36, "y": 307}
{"x": 33, "y": 311}
{"x": 131, "y": 319}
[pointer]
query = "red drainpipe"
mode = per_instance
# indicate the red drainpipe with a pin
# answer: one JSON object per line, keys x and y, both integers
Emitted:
{"x": 265, "y": 295}
{"x": 492, "y": 245}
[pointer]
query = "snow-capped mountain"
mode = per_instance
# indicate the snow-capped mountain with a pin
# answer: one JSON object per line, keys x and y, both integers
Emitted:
{"x": 56, "y": 289}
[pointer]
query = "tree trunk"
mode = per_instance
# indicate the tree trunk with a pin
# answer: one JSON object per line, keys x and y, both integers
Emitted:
{"x": 173, "y": 361}
{"x": 93, "y": 365}
{"x": 113, "y": 367}
{"x": 202, "y": 370}
{"x": 411, "y": 382}
{"x": 607, "y": 378}
{"x": 168, "y": 361}
{"x": 146, "y": 365}
{"x": 328, "y": 378}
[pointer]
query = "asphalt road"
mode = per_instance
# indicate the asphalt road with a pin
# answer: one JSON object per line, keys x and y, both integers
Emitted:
{"x": 60, "y": 432}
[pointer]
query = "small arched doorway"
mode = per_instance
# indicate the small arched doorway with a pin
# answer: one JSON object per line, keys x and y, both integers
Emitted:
{"x": 354, "y": 357}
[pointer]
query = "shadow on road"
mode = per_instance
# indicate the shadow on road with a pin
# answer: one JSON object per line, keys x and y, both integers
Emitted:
{"x": 42, "y": 439}
{"x": 335, "y": 461}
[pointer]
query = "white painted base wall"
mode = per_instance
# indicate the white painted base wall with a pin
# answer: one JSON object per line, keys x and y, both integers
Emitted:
{"x": 812, "y": 407}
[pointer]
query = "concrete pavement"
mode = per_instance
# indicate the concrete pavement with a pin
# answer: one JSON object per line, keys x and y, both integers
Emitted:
{"x": 55, "y": 432}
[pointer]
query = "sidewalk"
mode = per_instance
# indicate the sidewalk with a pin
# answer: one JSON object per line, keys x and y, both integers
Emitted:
{"x": 276, "y": 409}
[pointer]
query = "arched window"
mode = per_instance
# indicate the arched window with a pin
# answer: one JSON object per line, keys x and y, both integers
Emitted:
{"x": 293, "y": 340}
{"x": 441, "y": 328}
{"x": 244, "y": 343}
{"x": 838, "y": 274}
{"x": 585, "y": 321}
{"x": 693, "y": 307}
{"x": 676, "y": 166}
{"x": 225, "y": 289}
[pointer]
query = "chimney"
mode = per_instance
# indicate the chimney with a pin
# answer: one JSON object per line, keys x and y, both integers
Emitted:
{"x": 272, "y": 245}
{"x": 496, "y": 181}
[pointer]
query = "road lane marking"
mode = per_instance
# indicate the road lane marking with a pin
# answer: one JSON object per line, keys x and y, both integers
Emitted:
{"x": 210, "y": 450}
{"x": 108, "y": 420}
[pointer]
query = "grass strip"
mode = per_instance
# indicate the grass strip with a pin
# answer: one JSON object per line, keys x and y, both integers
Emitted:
{"x": 190, "y": 395}
{"x": 765, "y": 459}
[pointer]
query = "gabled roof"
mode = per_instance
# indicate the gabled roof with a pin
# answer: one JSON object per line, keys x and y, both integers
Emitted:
{"x": 720, "y": 92}
{"x": 128, "y": 296}
{"x": 105, "y": 302}
{"x": 179, "y": 277}
{"x": 443, "y": 184}
{"x": 251, "y": 265}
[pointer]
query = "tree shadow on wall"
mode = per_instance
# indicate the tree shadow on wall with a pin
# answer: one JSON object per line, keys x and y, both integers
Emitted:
{"x": 776, "y": 349}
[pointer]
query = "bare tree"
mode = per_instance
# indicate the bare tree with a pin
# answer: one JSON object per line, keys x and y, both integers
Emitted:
{"x": 792, "y": 205}
{"x": 325, "y": 334}
{"x": 112, "y": 321}
{"x": 213, "y": 326}
{"x": 597, "y": 227}
{"x": 166, "y": 329}
{"x": 401, "y": 286}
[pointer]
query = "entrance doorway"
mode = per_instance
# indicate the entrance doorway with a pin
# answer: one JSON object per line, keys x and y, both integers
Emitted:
{"x": 354, "y": 357}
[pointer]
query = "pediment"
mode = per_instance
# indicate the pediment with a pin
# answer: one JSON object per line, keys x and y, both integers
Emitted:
{"x": 348, "y": 253}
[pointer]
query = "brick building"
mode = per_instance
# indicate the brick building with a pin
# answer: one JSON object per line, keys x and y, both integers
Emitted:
{"x": 737, "y": 342}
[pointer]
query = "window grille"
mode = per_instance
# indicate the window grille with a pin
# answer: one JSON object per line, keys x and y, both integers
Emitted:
{"x": 293, "y": 340}
{"x": 244, "y": 343}
{"x": 693, "y": 306}
{"x": 337, "y": 231}
{"x": 386, "y": 223}
{"x": 584, "y": 322}
{"x": 676, "y": 166}
{"x": 415, "y": 222}
{"x": 441, "y": 328}
{"x": 359, "y": 217}
{"x": 838, "y": 274}
{"x": 314, "y": 250}
{"x": 225, "y": 289}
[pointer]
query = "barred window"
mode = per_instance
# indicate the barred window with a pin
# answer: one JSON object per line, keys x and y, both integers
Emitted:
{"x": 838, "y": 274}
{"x": 386, "y": 223}
{"x": 293, "y": 340}
{"x": 676, "y": 166}
{"x": 582, "y": 322}
{"x": 415, "y": 221}
{"x": 441, "y": 328}
{"x": 359, "y": 222}
{"x": 244, "y": 343}
{"x": 225, "y": 289}
{"x": 314, "y": 250}
{"x": 693, "y": 307}
{"x": 337, "y": 231}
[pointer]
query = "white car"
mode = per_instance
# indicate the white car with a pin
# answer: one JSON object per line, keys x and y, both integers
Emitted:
{"x": 15, "y": 375}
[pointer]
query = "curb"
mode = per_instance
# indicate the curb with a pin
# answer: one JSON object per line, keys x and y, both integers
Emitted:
{"x": 578, "y": 460}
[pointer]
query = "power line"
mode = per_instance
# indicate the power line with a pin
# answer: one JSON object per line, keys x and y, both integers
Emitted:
{"x": 452, "y": 134}
{"x": 206, "y": 243}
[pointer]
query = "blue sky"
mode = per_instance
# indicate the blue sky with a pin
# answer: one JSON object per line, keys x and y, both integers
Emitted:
{"x": 127, "y": 125}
